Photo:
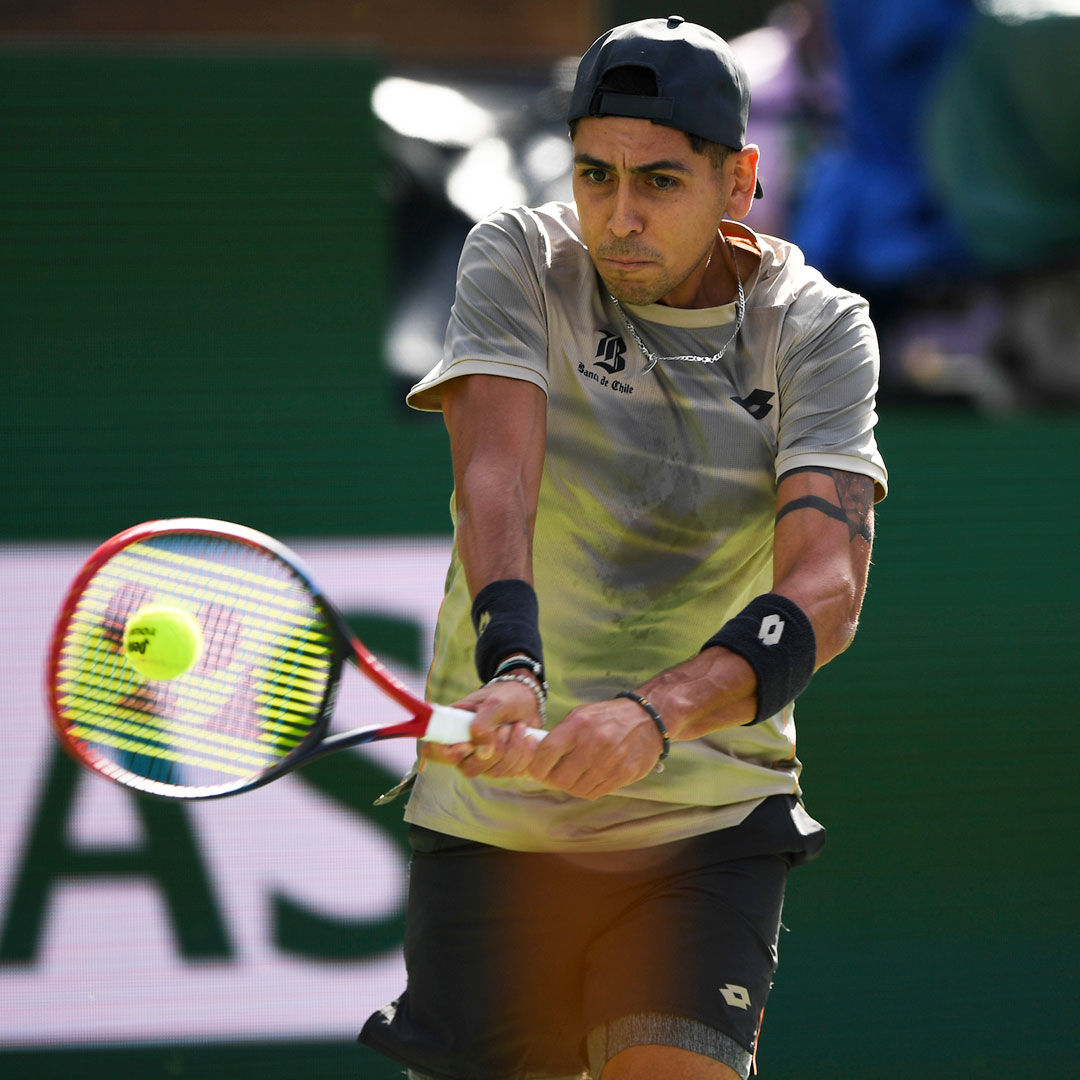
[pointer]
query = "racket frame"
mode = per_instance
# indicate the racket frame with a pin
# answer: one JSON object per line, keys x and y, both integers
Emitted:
{"x": 437, "y": 723}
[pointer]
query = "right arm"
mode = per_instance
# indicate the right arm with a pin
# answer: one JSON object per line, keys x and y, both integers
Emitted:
{"x": 497, "y": 429}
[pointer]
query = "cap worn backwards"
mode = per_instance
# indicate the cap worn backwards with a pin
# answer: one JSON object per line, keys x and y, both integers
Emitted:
{"x": 701, "y": 87}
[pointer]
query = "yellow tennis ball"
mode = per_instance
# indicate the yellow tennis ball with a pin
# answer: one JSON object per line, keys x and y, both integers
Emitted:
{"x": 161, "y": 641}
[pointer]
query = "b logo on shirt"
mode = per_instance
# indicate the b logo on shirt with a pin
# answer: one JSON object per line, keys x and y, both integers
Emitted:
{"x": 610, "y": 353}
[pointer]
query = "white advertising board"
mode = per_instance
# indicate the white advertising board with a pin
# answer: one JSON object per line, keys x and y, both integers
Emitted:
{"x": 123, "y": 922}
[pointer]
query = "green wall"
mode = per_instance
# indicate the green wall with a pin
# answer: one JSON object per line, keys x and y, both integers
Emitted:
{"x": 936, "y": 936}
{"x": 195, "y": 273}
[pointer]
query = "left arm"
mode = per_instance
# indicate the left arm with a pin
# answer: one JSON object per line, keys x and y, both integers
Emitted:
{"x": 824, "y": 533}
{"x": 821, "y": 556}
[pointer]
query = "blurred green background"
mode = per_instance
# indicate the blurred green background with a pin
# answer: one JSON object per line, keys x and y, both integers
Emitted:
{"x": 195, "y": 263}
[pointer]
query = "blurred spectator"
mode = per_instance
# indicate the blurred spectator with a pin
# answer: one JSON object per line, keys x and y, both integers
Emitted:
{"x": 790, "y": 66}
{"x": 868, "y": 214}
{"x": 1002, "y": 136}
{"x": 921, "y": 152}
{"x": 953, "y": 199}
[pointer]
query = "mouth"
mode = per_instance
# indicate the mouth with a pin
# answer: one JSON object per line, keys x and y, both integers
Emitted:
{"x": 626, "y": 265}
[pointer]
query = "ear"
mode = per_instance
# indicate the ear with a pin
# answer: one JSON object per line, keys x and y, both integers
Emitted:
{"x": 743, "y": 164}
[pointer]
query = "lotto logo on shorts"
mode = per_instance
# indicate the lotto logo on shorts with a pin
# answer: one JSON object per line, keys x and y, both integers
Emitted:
{"x": 772, "y": 627}
{"x": 738, "y": 997}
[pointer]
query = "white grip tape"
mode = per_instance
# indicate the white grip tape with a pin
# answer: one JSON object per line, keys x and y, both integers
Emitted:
{"x": 449, "y": 725}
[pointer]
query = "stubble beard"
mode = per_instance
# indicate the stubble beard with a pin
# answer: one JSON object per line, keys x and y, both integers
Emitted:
{"x": 633, "y": 292}
{"x": 639, "y": 295}
{"x": 647, "y": 292}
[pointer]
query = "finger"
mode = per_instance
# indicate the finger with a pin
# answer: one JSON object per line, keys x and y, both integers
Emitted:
{"x": 546, "y": 757}
{"x": 472, "y": 767}
{"x": 559, "y": 742}
{"x": 492, "y": 713}
{"x": 489, "y": 759}
{"x": 481, "y": 761}
{"x": 485, "y": 756}
{"x": 516, "y": 754}
{"x": 446, "y": 754}
{"x": 567, "y": 773}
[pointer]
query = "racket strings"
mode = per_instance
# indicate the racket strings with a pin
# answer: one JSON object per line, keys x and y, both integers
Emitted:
{"x": 256, "y": 693}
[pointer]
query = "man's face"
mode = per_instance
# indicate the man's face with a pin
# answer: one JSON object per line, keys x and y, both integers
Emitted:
{"x": 649, "y": 208}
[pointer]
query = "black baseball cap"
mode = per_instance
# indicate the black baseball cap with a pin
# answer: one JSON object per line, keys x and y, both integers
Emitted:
{"x": 701, "y": 87}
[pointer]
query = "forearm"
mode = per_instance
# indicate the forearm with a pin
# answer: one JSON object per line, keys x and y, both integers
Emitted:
{"x": 831, "y": 598}
{"x": 821, "y": 566}
{"x": 714, "y": 690}
{"x": 495, "y": 520}
{"x": 718, "y": 689}
{"x": 497, "y": 434}
{"x": 495, "y": 547}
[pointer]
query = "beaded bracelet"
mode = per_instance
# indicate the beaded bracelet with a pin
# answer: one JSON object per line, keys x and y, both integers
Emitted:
{"x": 655, "y": 717}
{"x": 541, "y": 698}
{"x": 525, "y": 663}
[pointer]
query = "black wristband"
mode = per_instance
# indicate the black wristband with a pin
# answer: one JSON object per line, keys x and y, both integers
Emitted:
{"x": 776, "y": 638}
{"x": 654, "y": 715}
{"x": 506, "y": 618}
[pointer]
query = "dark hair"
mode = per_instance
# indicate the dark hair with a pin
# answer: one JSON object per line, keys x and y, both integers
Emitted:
{"x": 631, "y": 79}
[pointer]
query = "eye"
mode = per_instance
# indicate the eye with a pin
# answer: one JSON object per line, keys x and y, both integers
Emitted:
{"x": 664, "y": 183}
{"x": 594, "y": 175}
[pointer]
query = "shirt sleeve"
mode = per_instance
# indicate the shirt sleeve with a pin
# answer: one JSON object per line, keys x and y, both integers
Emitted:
{"x": 828, "y": 379}
{"x": 498, "y": 324}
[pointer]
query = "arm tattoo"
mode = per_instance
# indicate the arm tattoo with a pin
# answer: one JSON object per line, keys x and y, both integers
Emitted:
{"x": 856, "y": 495}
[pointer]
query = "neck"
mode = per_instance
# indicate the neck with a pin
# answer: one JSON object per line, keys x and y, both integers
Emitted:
{"x": 652, "y": 358}
{"x": 712, "y": 284}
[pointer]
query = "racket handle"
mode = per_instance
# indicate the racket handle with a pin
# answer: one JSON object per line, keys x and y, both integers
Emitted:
{"x": 449, "y": 725}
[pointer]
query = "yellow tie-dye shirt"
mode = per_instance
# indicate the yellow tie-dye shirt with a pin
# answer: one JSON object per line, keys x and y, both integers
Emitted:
{"x": 657, "y": 505}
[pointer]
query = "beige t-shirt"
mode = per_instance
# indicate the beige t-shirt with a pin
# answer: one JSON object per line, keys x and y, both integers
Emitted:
{"x": 656, "y": 510}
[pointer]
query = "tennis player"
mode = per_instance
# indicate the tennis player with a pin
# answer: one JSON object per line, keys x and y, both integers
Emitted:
{"x": 662, "y": 430}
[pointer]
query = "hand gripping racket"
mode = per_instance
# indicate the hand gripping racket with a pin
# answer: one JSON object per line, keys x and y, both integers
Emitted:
{"x": 257, "y": 701}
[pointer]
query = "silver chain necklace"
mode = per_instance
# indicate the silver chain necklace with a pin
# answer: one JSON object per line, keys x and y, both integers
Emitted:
{"x": 740, "y": 310}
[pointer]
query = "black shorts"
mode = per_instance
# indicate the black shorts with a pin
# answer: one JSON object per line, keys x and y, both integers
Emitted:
{"x": 513, "y": 958}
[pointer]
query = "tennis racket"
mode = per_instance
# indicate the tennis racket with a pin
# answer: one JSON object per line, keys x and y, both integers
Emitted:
{"x": 257, "y": 701}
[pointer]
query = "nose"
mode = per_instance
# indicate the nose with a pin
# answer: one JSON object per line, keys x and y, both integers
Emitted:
{"x": 625, "y": 219}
